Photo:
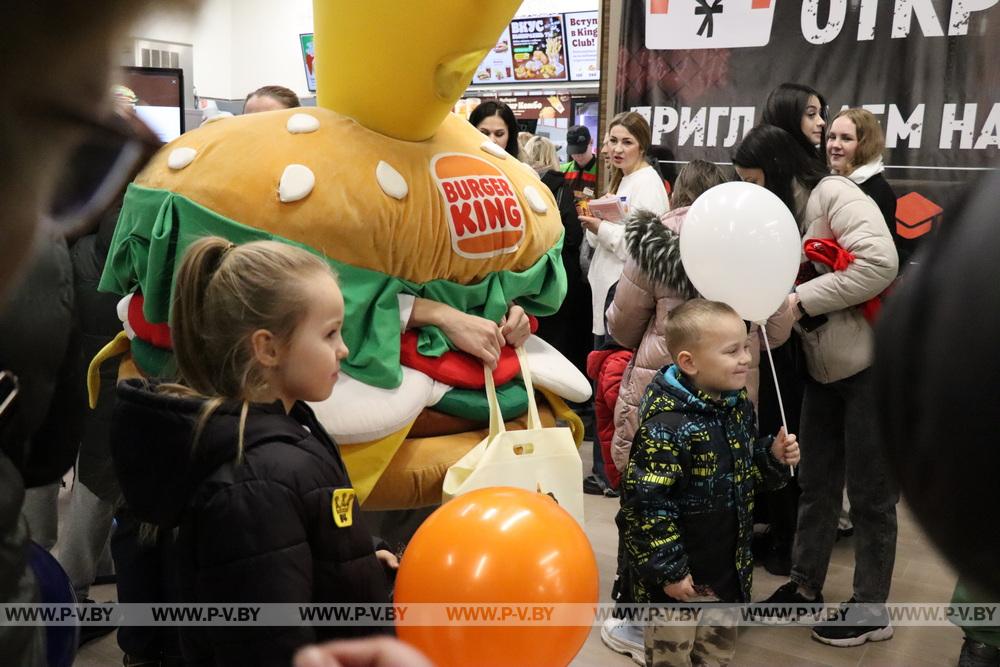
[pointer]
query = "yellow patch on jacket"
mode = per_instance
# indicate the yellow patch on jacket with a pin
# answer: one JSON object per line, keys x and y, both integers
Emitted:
{"x": 343, "y": 507}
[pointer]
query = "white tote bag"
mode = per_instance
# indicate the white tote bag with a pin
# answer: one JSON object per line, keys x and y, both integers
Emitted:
{"x": 539, "y": 459}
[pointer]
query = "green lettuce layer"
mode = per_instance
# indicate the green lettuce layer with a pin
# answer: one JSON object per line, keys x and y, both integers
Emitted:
{"x": 156, "y": 227}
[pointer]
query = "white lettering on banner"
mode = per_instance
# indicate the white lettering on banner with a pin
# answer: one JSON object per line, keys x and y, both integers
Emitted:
{"x": 911, "y": 128}
{"x": 646, "y": 112}
{"x": 961, "y": 12}
{"x": 739, "y": 114}
{"x": 990, "y": 134}
{"x": 834, "y": 22}
{"x": 664, "y": 121}
{"x": 928, "y": 19}
{"x": 867, "y": 19}
{"x": 714, "y": 115}
{"x": 695, "y": 126}
{"x": 691, "y": 124}
{"x": 950, "y": 124}
{"x": 701, "y": 126}
{"x": 898, "y": 127}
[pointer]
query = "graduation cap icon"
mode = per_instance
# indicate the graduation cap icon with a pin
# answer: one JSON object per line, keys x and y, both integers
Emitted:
{"x": 916, "y": 215}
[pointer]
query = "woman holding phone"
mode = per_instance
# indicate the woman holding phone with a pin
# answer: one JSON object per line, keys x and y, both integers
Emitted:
{"x": 638, "y": 186}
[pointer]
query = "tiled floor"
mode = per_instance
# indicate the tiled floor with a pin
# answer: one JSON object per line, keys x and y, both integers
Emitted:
{"x": 920, "y": 576}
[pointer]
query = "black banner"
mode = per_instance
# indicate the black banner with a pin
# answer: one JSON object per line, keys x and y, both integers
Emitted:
{"x": 700, "y": 71}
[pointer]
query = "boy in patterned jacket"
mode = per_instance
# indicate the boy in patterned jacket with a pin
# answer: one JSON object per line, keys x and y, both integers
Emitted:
{"x": 686, "y": 515}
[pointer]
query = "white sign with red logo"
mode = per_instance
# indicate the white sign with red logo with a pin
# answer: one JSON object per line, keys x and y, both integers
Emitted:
{"x": 582, "y": 32}
{"x": 484, "y": 216}
{"x": 708, "y": 24}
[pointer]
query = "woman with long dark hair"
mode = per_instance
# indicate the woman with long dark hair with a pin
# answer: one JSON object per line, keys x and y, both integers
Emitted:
{"x": 838, "y": 431}
{"x": 496, "y": 120}
{"x": 800, "y": 111}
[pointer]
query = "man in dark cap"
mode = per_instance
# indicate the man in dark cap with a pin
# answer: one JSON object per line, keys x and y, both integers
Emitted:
{"x": 581, "y": 170}
{"x": 581, "y": 186}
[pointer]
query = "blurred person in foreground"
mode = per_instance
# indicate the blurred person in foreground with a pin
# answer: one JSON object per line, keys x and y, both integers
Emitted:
{"x": 55, "y": 98}
{"x": 370, "y": 652}
{"x": 936, "y": 387}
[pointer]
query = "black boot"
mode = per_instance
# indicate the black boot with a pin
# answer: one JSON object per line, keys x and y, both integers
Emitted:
{"x": 89, "y": 633}
{"x": 978, "y": 654}
{"x": 778, "y": 560}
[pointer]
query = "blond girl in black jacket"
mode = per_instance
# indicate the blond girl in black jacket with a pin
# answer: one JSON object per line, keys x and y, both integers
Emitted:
{"x": 236, "y": 459}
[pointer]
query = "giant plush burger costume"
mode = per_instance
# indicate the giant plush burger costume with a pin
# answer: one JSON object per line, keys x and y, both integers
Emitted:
{"x": 404, "y": 200}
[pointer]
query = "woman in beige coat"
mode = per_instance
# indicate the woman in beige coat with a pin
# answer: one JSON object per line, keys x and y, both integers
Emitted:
{"x": 839, "y": 429}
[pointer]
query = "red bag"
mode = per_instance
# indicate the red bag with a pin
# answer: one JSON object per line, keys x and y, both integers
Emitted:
{"x": 457, "y": 368}
{"x": 827, "y": 251}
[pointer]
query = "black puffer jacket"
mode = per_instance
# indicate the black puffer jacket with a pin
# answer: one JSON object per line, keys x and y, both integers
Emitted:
{"x": 562, "y": 329}
{"x": 884, "y": 197}
{"x": 39, "y": 342}
{"x": 262, "y": 530}
{"x": 97, "y": 321}
{"x": 39, "y": 432}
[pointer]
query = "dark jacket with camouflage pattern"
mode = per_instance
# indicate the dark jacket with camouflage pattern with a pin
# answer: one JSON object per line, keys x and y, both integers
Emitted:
{"x": 687, "y": 494}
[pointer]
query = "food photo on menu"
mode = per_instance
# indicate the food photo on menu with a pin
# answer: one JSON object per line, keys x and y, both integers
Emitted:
{"x": 538, "y": 48}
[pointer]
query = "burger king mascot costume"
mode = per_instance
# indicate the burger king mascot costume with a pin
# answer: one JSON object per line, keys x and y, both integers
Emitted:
{"x": 406, "y": 201}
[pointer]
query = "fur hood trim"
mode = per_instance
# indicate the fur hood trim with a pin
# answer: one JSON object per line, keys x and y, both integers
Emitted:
{"x": 657, "y": 251}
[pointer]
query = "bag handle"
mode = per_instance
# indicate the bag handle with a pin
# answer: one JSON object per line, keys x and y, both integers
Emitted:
{"x": 496, "y": 417}
{"x": 534, "y": 422}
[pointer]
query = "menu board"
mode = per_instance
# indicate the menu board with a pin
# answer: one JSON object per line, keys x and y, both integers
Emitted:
{"x": 538, "y": 48}
{"x": 557, "y": 47}
{"x": 497, "y": 66}
{"x": 581, "y": 41}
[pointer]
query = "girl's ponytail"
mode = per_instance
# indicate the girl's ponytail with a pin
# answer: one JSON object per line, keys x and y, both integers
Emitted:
{"x": 189, "y": 325}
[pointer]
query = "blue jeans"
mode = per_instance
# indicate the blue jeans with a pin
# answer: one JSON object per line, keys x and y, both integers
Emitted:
{"x": 839, "y": 441}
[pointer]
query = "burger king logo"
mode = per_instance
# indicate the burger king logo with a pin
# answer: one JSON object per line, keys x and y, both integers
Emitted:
{"x": 484, "y": 216}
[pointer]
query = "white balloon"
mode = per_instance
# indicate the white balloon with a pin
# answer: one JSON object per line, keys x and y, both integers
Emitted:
{"x": 740, "y": 245}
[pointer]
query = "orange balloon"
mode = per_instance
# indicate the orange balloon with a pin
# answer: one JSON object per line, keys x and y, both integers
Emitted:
{"x": 498, "y": 546}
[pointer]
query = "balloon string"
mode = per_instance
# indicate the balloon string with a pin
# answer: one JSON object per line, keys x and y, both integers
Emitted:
{"x": 777, "y": 388}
